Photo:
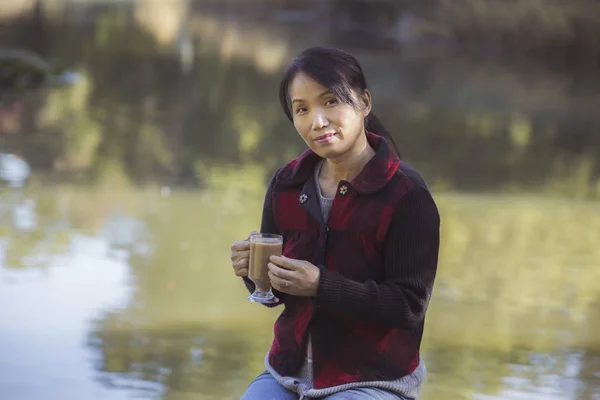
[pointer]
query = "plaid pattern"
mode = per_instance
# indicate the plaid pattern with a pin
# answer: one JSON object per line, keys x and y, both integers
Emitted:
{"x": 348, "y": 346}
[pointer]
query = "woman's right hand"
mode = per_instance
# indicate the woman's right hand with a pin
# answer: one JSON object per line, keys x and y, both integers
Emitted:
{"x": 240, "y": 255}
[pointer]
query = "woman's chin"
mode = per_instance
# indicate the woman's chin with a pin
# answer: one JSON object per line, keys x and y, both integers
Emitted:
{"x": 330, "y": 151}
{"x": 325, "y": 153}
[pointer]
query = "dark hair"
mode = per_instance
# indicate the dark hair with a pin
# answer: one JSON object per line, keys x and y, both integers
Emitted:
{"x": 339, "y": 72}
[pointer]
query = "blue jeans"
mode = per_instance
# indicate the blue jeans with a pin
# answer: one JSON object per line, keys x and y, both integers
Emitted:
{"x": 265, "y": 387}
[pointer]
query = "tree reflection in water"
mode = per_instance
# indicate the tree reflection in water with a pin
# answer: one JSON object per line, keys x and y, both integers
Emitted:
{"x": 203, "y": 361}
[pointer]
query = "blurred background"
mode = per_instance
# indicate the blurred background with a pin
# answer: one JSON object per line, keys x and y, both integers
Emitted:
{"x": 137, "y": 137}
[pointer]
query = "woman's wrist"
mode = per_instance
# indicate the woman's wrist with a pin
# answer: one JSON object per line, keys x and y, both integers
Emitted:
{"x": 316, "y": 283}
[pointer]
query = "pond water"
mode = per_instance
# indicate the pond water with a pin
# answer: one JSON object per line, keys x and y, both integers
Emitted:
{"x": 123, "y": 192}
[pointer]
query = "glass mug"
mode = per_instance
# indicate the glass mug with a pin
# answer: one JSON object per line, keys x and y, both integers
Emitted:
{"x": 263, "y": 246}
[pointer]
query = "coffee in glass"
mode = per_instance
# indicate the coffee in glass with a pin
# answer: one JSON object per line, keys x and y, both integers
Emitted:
{"x": 263, "y": 246}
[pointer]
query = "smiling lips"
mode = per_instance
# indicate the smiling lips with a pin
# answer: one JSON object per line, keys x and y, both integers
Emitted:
{"x": 328, "y": 137}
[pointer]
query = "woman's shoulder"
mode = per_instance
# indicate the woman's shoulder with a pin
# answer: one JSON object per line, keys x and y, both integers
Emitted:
{"x": 297, "y": 170}
{"x": 413, "y": 196}
{"x": 284, "y": 172}
{"x": 410, "y": 176}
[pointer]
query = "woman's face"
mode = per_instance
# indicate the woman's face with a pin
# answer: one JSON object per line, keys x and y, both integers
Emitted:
{"x": 328, "y": 126}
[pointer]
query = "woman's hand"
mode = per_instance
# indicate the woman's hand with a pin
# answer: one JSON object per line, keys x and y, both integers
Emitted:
{"x": 240, "y": 254}
{"x": 295, "y": 277}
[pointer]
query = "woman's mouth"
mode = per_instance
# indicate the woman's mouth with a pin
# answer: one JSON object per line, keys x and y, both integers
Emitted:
{"x": 325, "y": 138}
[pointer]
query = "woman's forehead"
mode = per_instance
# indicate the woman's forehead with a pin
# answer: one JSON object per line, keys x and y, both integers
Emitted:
{"x": 304, "y": 87}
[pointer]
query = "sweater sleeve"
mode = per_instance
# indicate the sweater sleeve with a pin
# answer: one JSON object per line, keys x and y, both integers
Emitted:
{"x": 410, "y": 260}
{"x": 268, "y": 225}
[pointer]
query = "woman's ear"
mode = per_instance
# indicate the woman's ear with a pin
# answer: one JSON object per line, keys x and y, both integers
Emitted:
{"x": 367, "y": 102}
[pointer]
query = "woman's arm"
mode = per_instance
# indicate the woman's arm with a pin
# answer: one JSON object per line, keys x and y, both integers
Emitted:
{"x": 411, "y": 255}
{"x": 268, "y": 225}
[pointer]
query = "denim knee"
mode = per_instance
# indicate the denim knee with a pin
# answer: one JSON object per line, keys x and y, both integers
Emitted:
{"x": 265, "y": 387}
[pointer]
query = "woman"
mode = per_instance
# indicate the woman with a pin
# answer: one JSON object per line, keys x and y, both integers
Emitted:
{"x": 361, "y": 241}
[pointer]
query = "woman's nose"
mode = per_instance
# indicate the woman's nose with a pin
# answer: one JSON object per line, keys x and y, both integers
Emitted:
{"x": 320, "y": 121}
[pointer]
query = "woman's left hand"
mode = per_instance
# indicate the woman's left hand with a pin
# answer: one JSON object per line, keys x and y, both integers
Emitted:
{"x": 295, "y": 277}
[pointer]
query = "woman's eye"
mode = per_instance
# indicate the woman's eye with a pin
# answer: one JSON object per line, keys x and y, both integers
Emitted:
{"x": 300, "y": 110}
{"x": 331, "y": 101}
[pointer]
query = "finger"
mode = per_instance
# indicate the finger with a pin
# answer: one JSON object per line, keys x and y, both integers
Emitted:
{"x": 240, "y": 264}
{"x": 281, "y": 272}
{"x": 251, "y": 233}
{"x": 241, "y": 245}
{"x": 238, "y": 255}
{"x": 280, "y": 284}
{"x": 242, "y": 272}
{"x": 287, "y": 263}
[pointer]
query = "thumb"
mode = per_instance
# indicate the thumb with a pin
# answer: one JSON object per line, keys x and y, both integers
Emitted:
{"x": 252, "y": 233}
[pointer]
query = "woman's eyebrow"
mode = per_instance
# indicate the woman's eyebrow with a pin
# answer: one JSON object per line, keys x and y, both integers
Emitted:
{"x": 321, "y": 95}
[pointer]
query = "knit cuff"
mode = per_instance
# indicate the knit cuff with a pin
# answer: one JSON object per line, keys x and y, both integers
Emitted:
{"x": 330, "y": 287}
{"x": 249, "y": 284}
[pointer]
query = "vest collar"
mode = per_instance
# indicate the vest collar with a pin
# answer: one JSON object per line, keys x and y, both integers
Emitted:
{"x": 374, "y": 176}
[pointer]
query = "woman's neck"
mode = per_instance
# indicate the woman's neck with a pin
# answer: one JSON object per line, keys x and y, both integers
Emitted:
{"x": 348, "y": 166}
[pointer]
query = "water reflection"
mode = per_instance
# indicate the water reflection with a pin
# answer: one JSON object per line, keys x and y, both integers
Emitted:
{"x": 145, "y": 170}
{"x": 173, "y": 361}
{"x": 512, "y": 319}
{"x": 13, "y": 170}
{"x": 47, "y": 315}
{"x": 469, "y": 123}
